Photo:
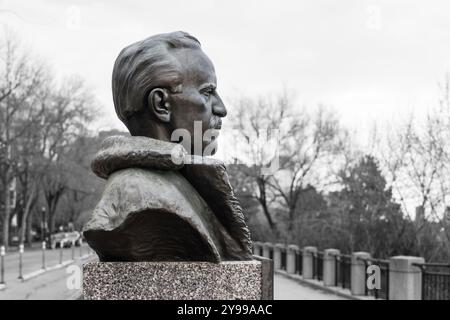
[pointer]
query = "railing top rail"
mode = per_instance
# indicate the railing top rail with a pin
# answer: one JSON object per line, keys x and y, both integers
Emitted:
{"x": 432, "y": 268}
{"x": 374, "y": 260}
{"x": 341, "y": 255}
{"x": 441, "y": 265}
{"x": 435, "y": 273}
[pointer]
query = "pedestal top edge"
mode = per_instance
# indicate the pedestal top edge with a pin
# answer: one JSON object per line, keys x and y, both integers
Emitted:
{"x": 249, "y": 262}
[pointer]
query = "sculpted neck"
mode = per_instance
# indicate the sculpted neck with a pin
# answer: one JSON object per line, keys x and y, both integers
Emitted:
{"x": 145, "y": 127}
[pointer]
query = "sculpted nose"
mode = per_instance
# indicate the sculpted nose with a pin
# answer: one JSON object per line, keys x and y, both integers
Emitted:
{"x": 218, "y": 108}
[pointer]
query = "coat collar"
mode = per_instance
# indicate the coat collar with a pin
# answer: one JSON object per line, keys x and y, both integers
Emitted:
{"x": 208, "y": 176}
{"x": 121, "y": 152}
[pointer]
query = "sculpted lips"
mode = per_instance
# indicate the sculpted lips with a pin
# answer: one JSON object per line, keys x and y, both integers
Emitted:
{"x": 214, "y": 129}
{"x": 219, "y": 124}
{"x": 216, "y": 123}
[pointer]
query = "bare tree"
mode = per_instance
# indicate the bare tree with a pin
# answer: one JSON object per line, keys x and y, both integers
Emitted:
{"x": 20, "y": 77}
{"x": 71, "y": 108}
{"x": 305, "y": 143}
{"x": 415, "y": 156}
{"x": 39, "y": 121}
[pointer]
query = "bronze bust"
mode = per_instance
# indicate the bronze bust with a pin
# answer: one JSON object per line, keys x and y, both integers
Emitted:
{"x": 155, "y": 208}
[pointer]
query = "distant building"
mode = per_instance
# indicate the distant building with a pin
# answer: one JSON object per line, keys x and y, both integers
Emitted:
{"x": 447, "y": 216}
{"x": 420, "y": 214}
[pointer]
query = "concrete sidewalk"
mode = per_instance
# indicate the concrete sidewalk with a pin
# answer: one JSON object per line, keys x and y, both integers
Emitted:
{"x": 288, "y": 289}
{"x": 57, "y": 284}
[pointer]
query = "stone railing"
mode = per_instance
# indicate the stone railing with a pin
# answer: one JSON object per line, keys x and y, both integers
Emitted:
{"x": 357, "y": 275}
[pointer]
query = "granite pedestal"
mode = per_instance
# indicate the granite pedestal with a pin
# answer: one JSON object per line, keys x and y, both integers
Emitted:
{"x": 231, "y": 280}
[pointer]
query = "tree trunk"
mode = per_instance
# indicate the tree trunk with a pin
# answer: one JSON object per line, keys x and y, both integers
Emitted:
{"x": 6, "y": 221}
{"x": 23, "y": 226}
{"x": 263, "y": 201}
{"x": 291, "y": 219}
{"x": 52, "y": 204}
{"x": 268, "y": 216}
{"x": 51, "y": 219}
{"x": 28, "y": 237}
{"x": 51, "y": 224}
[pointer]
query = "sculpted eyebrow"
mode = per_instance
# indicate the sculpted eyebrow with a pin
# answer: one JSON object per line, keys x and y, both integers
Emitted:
{"x": 210, "y": 86}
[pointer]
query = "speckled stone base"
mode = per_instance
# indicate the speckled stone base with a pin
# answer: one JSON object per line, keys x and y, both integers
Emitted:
{"x": 249, "y": 280}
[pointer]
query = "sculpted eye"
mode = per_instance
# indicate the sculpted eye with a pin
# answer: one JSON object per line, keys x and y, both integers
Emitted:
{"x": 208, "y": 92}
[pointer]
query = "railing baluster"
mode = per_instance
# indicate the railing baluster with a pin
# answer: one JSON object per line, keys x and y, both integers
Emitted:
{"x": 435, "y": 281}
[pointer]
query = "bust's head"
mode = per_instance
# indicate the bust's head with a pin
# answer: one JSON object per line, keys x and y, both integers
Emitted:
{"x": 164, "y": 83}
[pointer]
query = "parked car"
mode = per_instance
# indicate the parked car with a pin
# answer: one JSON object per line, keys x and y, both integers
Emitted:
{"x": 65, "y": 239}
{"x": 15, "y": 240}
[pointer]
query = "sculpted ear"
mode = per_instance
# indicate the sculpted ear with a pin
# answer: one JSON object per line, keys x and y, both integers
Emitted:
{"x": 159, "y": 105}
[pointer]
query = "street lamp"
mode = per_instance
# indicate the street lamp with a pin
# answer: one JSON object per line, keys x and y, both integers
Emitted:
{"x": 44, "y": 226}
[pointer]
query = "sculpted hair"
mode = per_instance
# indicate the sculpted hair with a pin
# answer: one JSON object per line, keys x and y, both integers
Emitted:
{"x": 145, "y": 65}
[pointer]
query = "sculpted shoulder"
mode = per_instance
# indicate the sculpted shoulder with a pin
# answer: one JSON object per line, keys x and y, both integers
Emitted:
{"x": 154, "y": 194}
{"x": 156, "y": 209}
{"x": 134, "y": 189}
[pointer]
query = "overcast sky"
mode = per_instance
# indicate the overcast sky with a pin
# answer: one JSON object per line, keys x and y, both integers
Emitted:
{"x": 370, "y": 60}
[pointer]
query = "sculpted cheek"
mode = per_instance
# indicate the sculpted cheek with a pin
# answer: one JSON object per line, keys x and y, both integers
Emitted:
{"x": 200, "y": 105}
{"x": 192, "y": 99}
{"x": 200, "y": 101}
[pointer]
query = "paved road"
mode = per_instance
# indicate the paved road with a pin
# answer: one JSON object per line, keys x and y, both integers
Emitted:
{"x": 60, "y": 284}
{"x": 288, "y": 289}
{"x": 32, "y": 260}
